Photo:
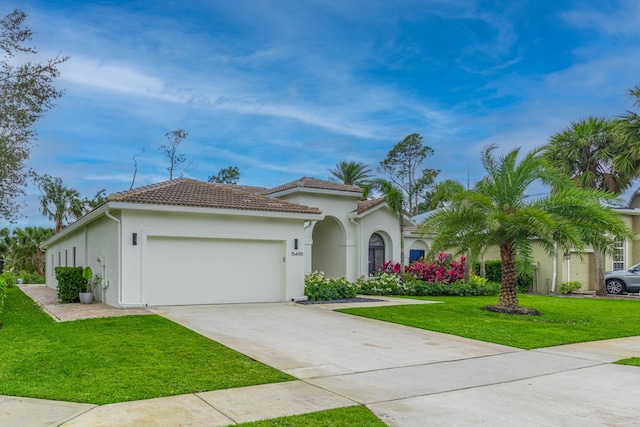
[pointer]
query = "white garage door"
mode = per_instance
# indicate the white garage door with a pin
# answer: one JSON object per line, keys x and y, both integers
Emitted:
{"x": 181, "y": 271}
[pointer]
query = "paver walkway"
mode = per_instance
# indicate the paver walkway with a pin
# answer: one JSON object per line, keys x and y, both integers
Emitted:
{"x": 48, "y": 299}
{"x": 406, "y": 376}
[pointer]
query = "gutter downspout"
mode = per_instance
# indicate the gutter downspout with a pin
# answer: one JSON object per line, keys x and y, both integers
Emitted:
{"x": 119, "y": 256}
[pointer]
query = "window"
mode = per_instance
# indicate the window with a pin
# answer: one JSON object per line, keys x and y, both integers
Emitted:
{"x": 376, "y": 253}
{"x": 66, "y": 258}
{"x": 74, "y": 256}
{"x": 618, "y": 255}
{"x": 415, "y": 254}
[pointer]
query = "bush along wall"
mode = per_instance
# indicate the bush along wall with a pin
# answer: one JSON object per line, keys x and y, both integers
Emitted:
{"x": 70, "y": 283}
{"x": 493, "y": 273}
{"x": 320, "y": 288}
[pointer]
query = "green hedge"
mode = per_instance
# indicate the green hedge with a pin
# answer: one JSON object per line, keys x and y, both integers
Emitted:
{"x": 10, "y": 279}
{"x": 3, "y": 292}
{"x": 389, "y": 284}
{"x": 493, "y": 273}
{"x": 70, "y": 283}
{"x": 31, "y": 278}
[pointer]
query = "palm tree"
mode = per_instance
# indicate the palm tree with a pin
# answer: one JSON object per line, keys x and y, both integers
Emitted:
{"x": 58, "y": 202}
{"x": 350, "y": 172}
{"x": 593, "y": 153}
{"x": 629, "y": 127}
{"x": 25, "y": 248}
{"x": 498, "y": 212}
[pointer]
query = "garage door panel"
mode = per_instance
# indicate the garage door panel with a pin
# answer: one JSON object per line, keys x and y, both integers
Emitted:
{"x": 213, "y": 271}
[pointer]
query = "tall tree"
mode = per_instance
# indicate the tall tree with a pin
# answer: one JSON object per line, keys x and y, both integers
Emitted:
{"x": 25, "y": 249}
{"x": 497, "y": 212}
{"x": 58, "y": 202}
{"x": 403, "y": 167}
{"x": 228, "y": 175}
{"x": 26, "y": 93}
{"x": 170, "y": 151}
{"x": 593, "y": 153}
{"x": 629, "y": 127}
{"x": 81, "y": 207}
{"x": 350, "y": 173}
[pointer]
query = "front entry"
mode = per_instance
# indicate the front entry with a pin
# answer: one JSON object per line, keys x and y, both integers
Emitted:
{"x": 376, "y": 253}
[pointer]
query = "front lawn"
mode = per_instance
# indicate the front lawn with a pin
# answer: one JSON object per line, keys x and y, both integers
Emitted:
{"x": 632, "y": 361}
{"x": 563, "y": 320}
{"x": 353, "y": 416}
{"x": 113, "y": 359}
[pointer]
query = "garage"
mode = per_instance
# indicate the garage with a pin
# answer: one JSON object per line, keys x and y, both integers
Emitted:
{"x": 187, "y": 270}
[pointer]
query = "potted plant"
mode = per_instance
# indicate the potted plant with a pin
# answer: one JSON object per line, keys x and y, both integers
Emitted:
{"x": 87, "y": 296}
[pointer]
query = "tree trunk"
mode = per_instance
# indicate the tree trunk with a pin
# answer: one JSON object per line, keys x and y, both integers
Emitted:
{"x": 40, "y": 261}
{"x": 601, "y": 290}
{"x": 509, "y": 286}
{"x": 467, "y": 268}
{"x": 483, "y": 271}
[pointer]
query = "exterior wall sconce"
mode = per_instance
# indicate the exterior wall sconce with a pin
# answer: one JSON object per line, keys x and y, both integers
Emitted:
{"x": 567, "y": 256}
{"x": 295, "y": 244}
{"x": 134, "y": 239}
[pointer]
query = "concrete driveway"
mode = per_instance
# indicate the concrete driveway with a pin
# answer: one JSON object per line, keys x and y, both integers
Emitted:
{"x": 410, "y": 377}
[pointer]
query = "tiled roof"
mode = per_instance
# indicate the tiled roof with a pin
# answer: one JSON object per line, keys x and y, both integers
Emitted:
{"x": 365, "y": 205}
{"x": 246, "y": 188}
{"x": 319, "y": 184}
{"x": 189, "y": 192}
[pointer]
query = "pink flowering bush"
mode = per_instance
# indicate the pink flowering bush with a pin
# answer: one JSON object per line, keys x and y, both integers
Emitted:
{"x": 443, "y": 270}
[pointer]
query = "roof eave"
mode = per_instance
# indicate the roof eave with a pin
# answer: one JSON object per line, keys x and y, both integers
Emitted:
{"x": 315, "y": 191}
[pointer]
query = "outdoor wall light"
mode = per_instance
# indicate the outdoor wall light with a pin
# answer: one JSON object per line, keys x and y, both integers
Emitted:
{"x": 567, "y": 256}
{"x": 134, "y": 239}
{"x": 295, "y": 244}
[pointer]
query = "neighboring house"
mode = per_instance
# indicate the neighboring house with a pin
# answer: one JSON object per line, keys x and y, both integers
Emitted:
{"x": 550, "y": 272}
{"x": 190, "y": 242}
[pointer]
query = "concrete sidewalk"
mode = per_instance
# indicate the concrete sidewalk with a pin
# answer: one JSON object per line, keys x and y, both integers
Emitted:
{"x": 406, "y": 376}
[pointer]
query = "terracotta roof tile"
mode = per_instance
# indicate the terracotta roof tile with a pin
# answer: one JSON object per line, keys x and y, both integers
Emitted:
{"x": 320, "y": 184}
{"x": 190, "y": 192}
{"x": 246, "y": 188}
{"x": 365, "y": 205}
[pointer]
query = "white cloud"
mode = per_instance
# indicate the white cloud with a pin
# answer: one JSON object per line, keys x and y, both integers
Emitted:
{"x": 619, "y": 18}
{"x": 119, "y": 78}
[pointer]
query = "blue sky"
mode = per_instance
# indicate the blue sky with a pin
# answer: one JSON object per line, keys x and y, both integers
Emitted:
{"x": 284, "y": 89}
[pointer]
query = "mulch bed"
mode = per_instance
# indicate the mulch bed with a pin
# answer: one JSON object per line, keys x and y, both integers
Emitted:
{"x": 339, "y": 301}
{"x": 513, "y": 310}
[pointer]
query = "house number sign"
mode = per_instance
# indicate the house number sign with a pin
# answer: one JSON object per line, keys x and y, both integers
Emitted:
{"x": 299, "y": 253}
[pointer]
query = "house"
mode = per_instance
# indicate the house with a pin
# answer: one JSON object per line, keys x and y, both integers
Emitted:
{"x": 186, "y": 242}
{"x": 550, "y": 272}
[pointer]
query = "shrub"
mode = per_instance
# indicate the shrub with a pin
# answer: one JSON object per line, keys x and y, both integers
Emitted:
{"x": 389, "y": 284}
{"x": 381, "y": 284}
{"x": 320, "y": 288}
{"x": 3, "y": 292}
{"x": 493, "y": 273}
{"x": 31, "y": 278}
{"x": 10, "y": 279}
{"x": 438, "y": 272}
{"x": 569, "y": 287}
{"x": 70, "y": 283}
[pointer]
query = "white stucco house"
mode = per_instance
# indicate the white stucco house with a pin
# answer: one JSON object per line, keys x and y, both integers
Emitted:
{"x": 189, "y": 242}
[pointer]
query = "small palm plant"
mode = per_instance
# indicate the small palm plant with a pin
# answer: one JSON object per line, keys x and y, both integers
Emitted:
{"x": 87, "y": 275}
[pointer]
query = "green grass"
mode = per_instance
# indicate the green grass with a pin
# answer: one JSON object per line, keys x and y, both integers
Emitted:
{"x": 113, "y": 359}
{"x": 564, "y": 320}
{"x": 353, "y": 416}
{"x": 632, "y": 361}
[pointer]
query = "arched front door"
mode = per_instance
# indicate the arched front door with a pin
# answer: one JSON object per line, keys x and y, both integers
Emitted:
{"x": 376, "y": 253}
